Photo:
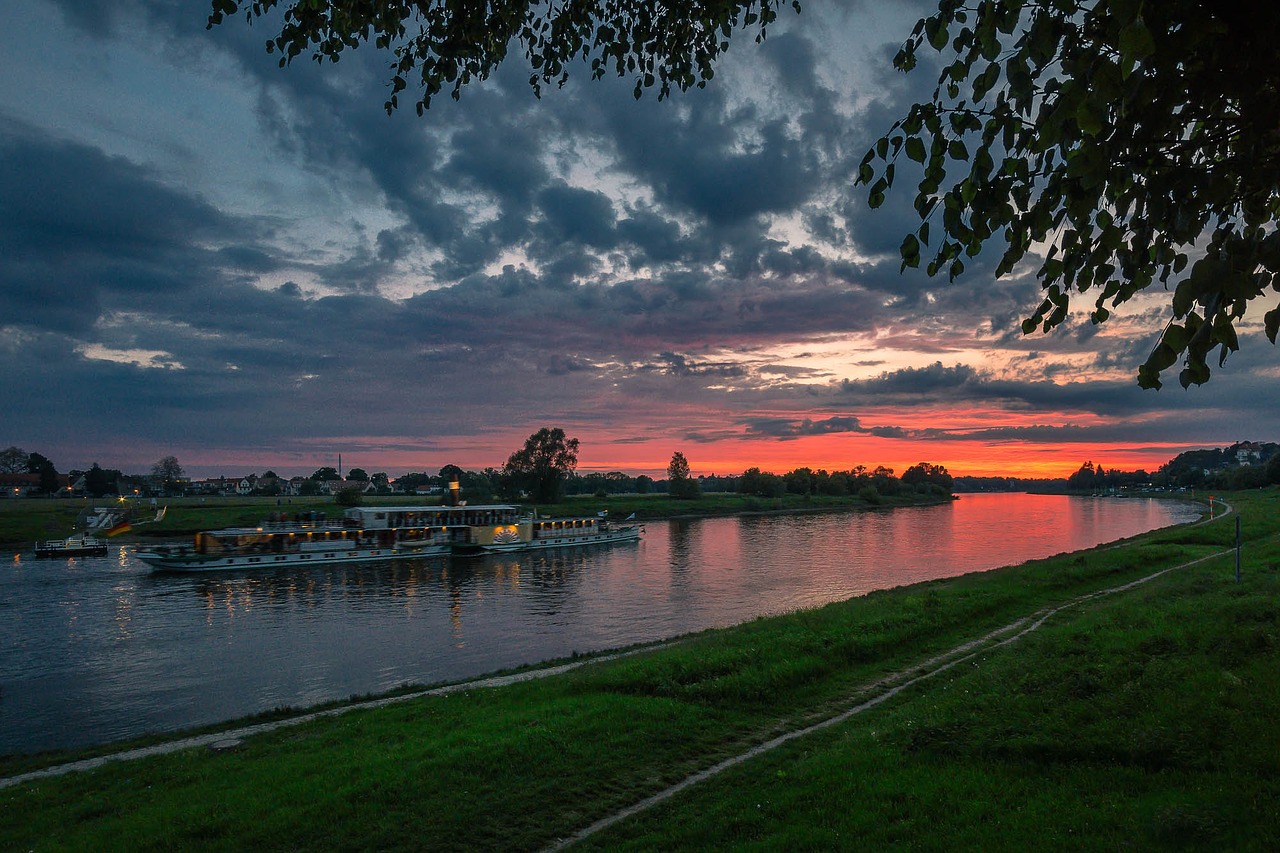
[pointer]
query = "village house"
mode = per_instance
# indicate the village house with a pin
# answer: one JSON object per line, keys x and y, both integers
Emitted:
{"x": 28, "y": 485}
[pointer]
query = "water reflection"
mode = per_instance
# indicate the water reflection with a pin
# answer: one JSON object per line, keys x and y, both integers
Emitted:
{"x": 100, "y": 649}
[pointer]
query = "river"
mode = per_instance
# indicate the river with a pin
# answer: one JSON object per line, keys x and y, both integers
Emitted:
{"x": 99, "y": 649}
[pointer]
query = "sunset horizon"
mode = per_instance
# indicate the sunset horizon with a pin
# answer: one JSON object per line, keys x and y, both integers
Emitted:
{"x": 249, "y": 268}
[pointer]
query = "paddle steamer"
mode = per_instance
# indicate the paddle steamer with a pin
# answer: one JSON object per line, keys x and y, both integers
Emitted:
{"x": 366, "y": 534}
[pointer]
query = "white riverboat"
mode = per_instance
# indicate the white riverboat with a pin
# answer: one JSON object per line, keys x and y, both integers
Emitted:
{"x": 366, "y": 534}
{"x": 72, "y": 546}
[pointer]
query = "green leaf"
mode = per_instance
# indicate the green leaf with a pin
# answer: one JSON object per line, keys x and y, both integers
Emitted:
{"x": 937, "y": 33}
{"x": 910, "y": 251}
{"x": 915, "y": 148}
{"x": 1136, "y": 41}
{"x": 1089, "y": 116}
{"x": 985, "y": 81}
{"x": 1271, "y": 323}
{"x": 1196, "y": 373}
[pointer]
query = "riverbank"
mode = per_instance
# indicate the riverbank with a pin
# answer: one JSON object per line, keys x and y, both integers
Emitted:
{"x": 25, "y": 521}
{"x": 1130, "y": 719}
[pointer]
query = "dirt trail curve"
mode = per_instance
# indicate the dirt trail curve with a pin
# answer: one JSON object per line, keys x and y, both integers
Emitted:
{"x": 892, "y": 685}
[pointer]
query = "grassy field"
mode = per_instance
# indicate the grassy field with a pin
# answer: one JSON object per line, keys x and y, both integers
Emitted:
{"x": 27, "y": 520}
{"x": 1148, "y": 719}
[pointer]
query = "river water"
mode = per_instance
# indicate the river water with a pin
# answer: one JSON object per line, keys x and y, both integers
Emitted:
{"x": 99, "y": 649}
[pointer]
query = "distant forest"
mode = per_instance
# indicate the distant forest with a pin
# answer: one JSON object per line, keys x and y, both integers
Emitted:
{"x": 1243, "y": 465}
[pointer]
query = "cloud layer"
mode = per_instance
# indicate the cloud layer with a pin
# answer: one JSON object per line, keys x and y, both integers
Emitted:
{"x": 263, "y": 266}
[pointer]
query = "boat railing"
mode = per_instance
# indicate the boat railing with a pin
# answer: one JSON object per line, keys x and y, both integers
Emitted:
{"x": 327, "y": 524}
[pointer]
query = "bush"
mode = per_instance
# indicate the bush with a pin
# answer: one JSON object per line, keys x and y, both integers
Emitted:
{"x": 686, "y": 489}
{"x": 869, "y": 494}
{"x": 349, "y": 497}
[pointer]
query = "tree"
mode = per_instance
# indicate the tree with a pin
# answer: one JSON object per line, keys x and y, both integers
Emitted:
{"x": 756, "y": 482}
{"x": 449, "y": 474}
{"x": 98, "y": 482}
{"x": 801, "y": 481}
{"x": 326, "y": 473}
{"x": 350, "y": 496}
{"x": 1086, "y": 478}
{"x": 450, "y": 44}
{"x": 679, "y": 483}
{"x": 1116, "y": 136}
{"x": 13, "y": 460}
{"x": 358, "y": 474}
{"x": 542, "y": 465}
{"x": 39, "y": 464}
{"x": 167, "y": 472}
{"x": 926, "y": 473}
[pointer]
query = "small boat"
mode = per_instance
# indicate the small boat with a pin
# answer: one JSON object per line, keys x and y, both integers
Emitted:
{"x": 366, "y": 534}
{"x": 72, "y": 546}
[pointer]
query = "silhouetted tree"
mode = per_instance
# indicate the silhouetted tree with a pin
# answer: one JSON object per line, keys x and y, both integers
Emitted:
{"x": 925, "y": 473}
{"x": 167, "y": 472}
{"x": 679, "y": 483}
{"x": 540, "y": 467}
{"x": 13, "y": 460}
{"x": 98, "y": 482}
{"x": 39, "y": 464}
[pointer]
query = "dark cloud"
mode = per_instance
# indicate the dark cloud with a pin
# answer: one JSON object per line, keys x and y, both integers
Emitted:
{"x": 576, "y": 257}
{"x": 786, "y": 428}
{"x": 916, "y": 380}
{"x": 81, "y": 232}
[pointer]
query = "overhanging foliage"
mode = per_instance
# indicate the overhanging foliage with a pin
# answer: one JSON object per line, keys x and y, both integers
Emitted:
{"x": 1117, "y": 136}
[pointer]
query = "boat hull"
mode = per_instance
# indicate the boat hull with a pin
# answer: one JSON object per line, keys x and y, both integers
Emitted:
{"x": 71, "y": 548}
{"x": 169, "y": 562}
{"x": 629, "y": 534}
{"x": 379, "y": 534}
{"x": 165, "y": 561}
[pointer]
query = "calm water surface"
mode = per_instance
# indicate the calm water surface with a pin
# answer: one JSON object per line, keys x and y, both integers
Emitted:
{"x": 99, "y": 649}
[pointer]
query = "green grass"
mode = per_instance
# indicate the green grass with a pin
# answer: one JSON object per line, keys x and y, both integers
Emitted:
{"x": 721, "y": 503}
{"x": 1145, "y": 719}
{"x": 27, "y": 520}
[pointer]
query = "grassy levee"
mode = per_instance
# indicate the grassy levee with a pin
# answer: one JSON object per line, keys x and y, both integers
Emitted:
{"x": 1145, "y": 719}
{"x": 27, "y": 520}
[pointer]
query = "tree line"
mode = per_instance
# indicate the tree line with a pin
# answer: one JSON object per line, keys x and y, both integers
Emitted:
{"x": 1243, "y": 465}
{"x": 543, "y": 470}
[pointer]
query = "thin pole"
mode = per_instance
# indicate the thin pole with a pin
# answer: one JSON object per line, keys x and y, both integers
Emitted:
{"x": 1237, "y": 549}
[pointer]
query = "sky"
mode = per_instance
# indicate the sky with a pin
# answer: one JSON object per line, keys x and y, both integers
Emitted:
{"x": 247, "y": 267}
